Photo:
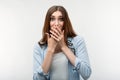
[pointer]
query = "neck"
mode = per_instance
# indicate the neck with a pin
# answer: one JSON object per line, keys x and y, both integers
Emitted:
{"x": 58, "y": 49}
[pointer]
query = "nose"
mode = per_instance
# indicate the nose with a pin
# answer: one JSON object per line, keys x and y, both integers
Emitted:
{"x": 56, "y": 23}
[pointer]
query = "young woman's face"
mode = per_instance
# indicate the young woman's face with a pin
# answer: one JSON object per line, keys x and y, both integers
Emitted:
{"x": 56, "y": 20}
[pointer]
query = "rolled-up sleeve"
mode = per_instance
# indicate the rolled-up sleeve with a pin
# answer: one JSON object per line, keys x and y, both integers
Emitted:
{"x": 38, "y": 73}
{"x": 82, "y": 64}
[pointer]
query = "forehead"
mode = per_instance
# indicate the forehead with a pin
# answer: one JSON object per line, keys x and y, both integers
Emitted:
{"x": 56, "y": 13}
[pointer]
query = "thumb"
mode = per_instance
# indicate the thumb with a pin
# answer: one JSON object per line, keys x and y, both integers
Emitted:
{"x": 48, "y": 36}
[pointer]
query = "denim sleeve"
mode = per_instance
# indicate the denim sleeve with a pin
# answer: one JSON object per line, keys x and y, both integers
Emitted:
{"x": 82, "y": 64}
{"x": 38, "y": 73}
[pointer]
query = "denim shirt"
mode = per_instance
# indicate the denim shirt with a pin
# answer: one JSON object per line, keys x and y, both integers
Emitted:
{"x": 81, "y": 70}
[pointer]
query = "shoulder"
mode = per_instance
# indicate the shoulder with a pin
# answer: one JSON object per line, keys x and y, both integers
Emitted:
{"x": 36, "y": 47}
{"x": 75, "y": 40}
{"x": 39, "y": 46}
{"x": 78, "y": 38}
{"x": 78, "y": 41}
{"x": 38, "y": 50}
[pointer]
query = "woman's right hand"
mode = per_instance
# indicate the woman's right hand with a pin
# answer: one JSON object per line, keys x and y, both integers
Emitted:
{"x": 49, "y": 54}
{"x": 52, "y": 43}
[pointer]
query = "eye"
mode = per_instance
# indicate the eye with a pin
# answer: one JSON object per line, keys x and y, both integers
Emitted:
{"x": 61, "y": 19}
{"x": 52, "y": 19}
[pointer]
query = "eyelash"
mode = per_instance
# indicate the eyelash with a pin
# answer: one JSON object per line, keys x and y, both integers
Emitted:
{"x": 52, "y": 19}
{"x": 61, "y": 19}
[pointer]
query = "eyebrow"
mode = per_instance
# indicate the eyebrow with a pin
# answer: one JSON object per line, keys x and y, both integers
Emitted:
{"x": 60, "y": 16}
{"x": 54, "y": 16}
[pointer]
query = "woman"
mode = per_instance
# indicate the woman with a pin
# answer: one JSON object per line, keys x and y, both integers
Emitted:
{"x": 60, "y": 54}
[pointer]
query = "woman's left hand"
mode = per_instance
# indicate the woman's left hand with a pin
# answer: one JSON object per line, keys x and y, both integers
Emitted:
{"x": 58, "y": 36}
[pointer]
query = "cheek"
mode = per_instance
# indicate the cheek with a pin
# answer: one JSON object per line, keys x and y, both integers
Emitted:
{"x": 51, "y": 24}
{"x": 62, "y": 24}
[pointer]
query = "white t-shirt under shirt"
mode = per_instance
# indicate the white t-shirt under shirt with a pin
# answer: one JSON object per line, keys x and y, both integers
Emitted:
{"x": 59, "y": 67}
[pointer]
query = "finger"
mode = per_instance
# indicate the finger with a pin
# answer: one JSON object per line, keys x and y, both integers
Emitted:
{"x": 53, "y": 33}
{"x": 48, "y": 36}
{"x": 57, "y": 39}
{"x": 56, "y": 31}
{"x": 63, "y": 32}
{"x": 59, "y": 30}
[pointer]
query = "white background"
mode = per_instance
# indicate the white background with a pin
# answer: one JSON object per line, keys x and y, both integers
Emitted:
{"x": 21, "y": 21}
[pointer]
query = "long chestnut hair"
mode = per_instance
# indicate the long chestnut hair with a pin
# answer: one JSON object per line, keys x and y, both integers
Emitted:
{"x": 67, "y": 27}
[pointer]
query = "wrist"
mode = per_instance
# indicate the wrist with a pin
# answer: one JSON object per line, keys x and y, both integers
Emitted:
{"x": 64, "y": 48}
{"x": 50, "y": 50}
